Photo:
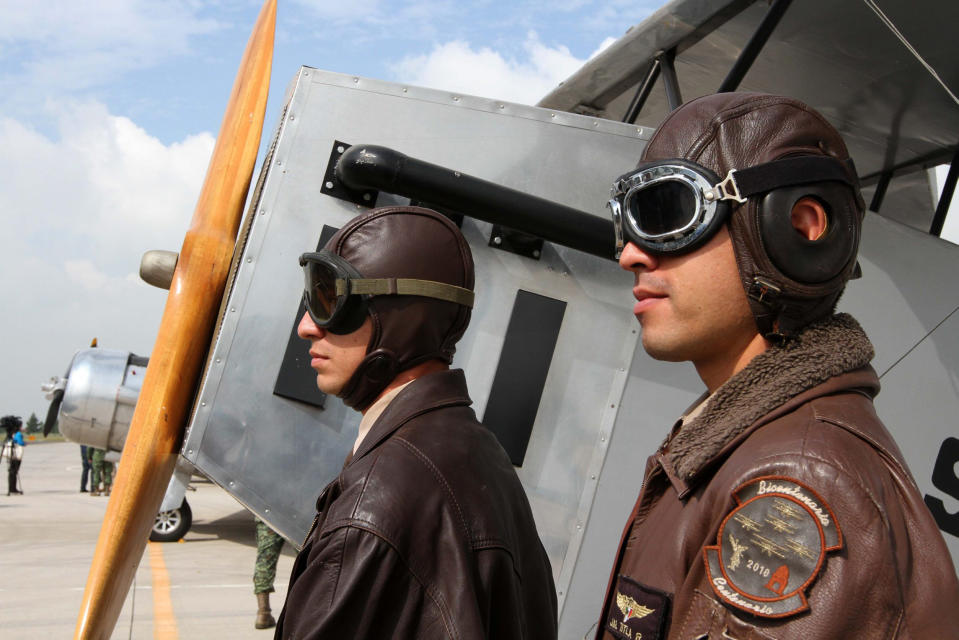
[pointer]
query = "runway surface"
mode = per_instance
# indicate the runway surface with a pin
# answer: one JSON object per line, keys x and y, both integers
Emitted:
{"x": 200, "y": 587}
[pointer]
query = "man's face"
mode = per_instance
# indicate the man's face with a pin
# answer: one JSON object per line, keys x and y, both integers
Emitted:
{"x": 693, "y": 307}
{"x": 334, "y": 357}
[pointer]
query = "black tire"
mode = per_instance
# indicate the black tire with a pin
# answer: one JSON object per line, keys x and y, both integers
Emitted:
{"x": 170, "y": 526}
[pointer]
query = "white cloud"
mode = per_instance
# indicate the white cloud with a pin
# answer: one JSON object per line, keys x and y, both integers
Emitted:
{"x": 78, "y": 211}
{"x": 105, "y": 179}
{"x": 85, "y": 274}
{"x": 456, "y": 66}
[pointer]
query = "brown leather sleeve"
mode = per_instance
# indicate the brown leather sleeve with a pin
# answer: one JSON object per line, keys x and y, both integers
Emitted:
{"x": 356, "y": 586}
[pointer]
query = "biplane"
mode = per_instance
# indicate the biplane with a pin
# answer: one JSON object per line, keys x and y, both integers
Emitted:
{"x": 551, "y": 355}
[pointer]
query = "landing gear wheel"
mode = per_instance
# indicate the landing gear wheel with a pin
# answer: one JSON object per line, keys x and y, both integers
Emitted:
{"x": 172, "y": 525}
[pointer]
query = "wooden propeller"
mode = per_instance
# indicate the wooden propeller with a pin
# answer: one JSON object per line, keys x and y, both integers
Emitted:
{"x": 156, "y": 431}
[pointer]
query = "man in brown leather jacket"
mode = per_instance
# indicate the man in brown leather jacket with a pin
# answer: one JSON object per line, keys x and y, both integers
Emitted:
{"x": 778, "y": 506}
{"x": 427, "y": 532}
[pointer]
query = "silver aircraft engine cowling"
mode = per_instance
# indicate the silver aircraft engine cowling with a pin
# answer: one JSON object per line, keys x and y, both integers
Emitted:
{"x": 99, "y": 394}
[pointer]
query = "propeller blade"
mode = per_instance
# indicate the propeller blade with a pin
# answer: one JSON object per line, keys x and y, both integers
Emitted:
{"x": 52, "y": 412}
{"x": 156, "y": 430}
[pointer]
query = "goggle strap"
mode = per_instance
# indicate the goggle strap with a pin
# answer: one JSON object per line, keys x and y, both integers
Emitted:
{"x": 406, "y": 287}
{"x": 789, "y": 172}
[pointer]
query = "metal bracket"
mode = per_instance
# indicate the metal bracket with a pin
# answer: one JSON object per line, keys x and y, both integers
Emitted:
{"x": 764, "y": 291}
{"x": 333, "y": 186}
{"x": 523, "y": 244}
{"x": 727, "y": 189}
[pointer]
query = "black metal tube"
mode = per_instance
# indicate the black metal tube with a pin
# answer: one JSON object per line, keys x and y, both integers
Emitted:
{"x": 670, "y": 81}
{"x": 879, "y": 195}
{"x": 642, "y": 93}
{"x": 948, "y": 188}
{"x": 751, "y": 51}
{"x": 375, "y": 167}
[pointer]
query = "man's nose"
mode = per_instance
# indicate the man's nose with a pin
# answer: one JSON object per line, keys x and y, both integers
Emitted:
{"x": 633, "y": 258}
{"x": 307, "y": 329}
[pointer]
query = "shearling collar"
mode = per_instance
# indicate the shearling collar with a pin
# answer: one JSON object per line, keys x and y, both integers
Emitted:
{"x": 823, "y": 350}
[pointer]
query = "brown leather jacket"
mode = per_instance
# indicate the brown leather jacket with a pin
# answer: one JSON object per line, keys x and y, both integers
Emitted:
{"x": 784, "y": 510}
{"x": 426, "y": 533}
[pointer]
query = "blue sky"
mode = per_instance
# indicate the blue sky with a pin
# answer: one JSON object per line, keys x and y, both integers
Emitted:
{"x": 109, "y": 109}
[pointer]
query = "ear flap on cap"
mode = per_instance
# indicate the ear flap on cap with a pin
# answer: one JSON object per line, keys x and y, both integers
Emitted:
{"x": 803, "y": 260}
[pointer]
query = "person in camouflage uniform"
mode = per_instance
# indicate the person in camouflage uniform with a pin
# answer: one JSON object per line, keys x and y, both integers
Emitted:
{"x": 102, "y": 470}
{"x": 268, "y": 546}
{"x": 87, "y": 467}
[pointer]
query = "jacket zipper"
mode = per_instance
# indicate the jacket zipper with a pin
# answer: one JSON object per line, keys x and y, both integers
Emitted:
{"x": 316, "y": 519}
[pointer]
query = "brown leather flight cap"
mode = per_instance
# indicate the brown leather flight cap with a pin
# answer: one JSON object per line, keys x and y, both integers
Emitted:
{"x": 405, "y": 242}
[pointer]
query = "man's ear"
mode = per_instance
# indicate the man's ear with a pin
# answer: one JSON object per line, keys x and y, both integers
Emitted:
{"x": 809, "y": 218}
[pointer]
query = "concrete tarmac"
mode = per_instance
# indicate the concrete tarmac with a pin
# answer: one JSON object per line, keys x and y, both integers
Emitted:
{"x": 47, "y": 538}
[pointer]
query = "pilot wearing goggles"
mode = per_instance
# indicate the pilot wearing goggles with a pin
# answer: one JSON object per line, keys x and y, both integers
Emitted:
{"x": 778, "y": 506}
{"x": 426, "y": 532}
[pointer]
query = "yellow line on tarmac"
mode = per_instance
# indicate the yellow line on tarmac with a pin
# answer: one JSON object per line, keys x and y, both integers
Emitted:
{"x": 164, "y": 623}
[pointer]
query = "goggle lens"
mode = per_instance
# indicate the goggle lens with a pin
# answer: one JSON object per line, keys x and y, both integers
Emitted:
{"x": 666, "y": 207}
{"x": 320, "y": 289}
{"x": 662, "y": 208}
{"x": 335, "y": 292}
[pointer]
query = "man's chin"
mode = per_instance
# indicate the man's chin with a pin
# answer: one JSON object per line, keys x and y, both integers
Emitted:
{"x": 329, "y": 388}
{"x": 663, "y": 350}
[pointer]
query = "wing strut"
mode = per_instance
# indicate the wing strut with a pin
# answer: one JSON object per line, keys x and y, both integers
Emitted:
{"x": 751, "y": 51}
{"x": 948, "y": 188}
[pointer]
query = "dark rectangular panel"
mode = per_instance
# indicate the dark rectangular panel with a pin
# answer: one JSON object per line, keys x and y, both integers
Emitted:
{"x": 521, "y": 373}
{"x": 296, "y": 380}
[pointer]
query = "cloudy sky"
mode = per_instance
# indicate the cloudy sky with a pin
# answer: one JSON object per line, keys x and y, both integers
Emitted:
{"x": 109, "y": 110}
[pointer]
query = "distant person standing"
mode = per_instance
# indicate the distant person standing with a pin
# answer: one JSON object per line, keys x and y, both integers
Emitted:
{"x": 102, "y": 471}
{"x": 85, "y": 460}
{"x": 13, "y": 450}
{"x": 268, "y": 546}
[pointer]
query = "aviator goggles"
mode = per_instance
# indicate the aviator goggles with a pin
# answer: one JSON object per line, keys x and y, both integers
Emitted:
{"x": 336, "y": 295}
{"x": 673, "y": 206}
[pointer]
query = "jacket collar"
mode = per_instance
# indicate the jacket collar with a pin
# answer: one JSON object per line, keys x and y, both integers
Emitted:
{"x": 827, "y": 357}
{"x": 424, "y": 394}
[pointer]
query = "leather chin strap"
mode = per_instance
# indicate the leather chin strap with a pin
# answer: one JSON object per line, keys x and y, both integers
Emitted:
{"x": 377, "y": 370}
{"x": 779, "y": 316}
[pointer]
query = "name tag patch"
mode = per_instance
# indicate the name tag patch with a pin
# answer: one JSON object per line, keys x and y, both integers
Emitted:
{"x": 637, "y": 612}
{"x": 771, "y": 547}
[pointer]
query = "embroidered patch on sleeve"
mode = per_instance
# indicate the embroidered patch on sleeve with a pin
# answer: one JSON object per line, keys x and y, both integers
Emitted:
{"x": 637, "y": 612}
{"x": 771, "y": 547}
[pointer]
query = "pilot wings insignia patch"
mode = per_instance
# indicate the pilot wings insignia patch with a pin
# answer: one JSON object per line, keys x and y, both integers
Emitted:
{"x": 630, "y": 608}
{"x": 635, "y": 611}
